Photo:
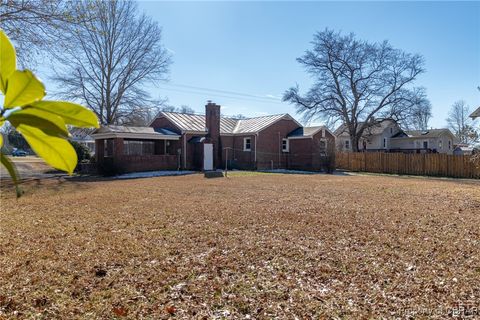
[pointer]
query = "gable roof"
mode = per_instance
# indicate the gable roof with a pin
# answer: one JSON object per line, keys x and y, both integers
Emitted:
{"x": 431, "y": 133}
{"x": 306, "y": 132}
{"x": 196, "y": 122}
{"x": 377, "y": 128}
{"x": 475, "y": 114}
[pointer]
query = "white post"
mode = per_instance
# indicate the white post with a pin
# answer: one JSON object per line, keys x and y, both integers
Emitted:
{"x": 226, "y": 160}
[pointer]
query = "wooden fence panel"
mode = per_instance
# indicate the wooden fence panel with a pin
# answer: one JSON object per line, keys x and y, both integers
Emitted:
{"x": 433, "y": 164}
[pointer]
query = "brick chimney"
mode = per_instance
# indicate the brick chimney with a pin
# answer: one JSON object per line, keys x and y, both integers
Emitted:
{"x": 212, "y": 123}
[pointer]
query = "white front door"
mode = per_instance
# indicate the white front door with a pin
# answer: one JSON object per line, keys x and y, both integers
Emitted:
{"x": 207, "y": 156}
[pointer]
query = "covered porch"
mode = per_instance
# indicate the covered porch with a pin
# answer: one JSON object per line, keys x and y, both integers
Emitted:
{"x": 121, "y": 149}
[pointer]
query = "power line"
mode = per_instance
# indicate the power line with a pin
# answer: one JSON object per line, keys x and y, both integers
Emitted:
{"x": 205, "y": 92}
{"x": 235, "y": 93}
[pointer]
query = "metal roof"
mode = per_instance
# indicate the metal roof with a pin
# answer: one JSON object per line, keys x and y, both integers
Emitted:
{"x": 196, "y": 123}
{"x": 257, "y": 124}
{"x": 112, "y": 131}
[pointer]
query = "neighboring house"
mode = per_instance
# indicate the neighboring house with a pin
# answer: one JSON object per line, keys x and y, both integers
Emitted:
{"x": 387, "y": 136}
{"x": 84, "y": 137}
{"x": 431, "y": 140}
{"x": 374, "y": 138}
{"x": 475, "y": 114}
{"x": 464, "y": 149}
{"x": 206, "y": 142}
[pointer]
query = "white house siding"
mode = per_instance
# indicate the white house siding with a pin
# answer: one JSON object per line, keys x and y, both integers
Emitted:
{"x": 417, "y": 143}
{"x": 374, "y": 142}
{"x": 403, "y": 143}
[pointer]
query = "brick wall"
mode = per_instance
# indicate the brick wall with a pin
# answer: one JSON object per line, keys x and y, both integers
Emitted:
{"x": 269, "y": 145}
{"x": 133, "y": 163}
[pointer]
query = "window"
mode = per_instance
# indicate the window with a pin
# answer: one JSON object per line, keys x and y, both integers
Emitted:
{"x": 247, "y": 144}
{"x": 347, "y": 144}
{"x": 384, "y": 142}
{"x": 138, "y": 148}
{"x": 425, "y": 144}
{"x": 391, "y": 130}
{"x": 449, "y": 144}
{"x": 285, "y": 145}
{"x": 440, "y": 144}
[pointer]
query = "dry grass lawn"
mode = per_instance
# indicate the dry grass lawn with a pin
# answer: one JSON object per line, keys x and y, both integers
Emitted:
{"x": 256, "y": 246}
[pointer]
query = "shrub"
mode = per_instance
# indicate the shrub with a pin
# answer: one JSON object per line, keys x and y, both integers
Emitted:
{"x": 83, "y": 153}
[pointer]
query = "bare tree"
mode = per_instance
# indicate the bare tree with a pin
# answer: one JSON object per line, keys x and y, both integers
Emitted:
{"x": 181, "y": 109}
{"x": 356, "y": 82}
{"x": 185, "y": 109}
{"x": 35, "y": 25}
{"x": 110, "y": 57}
{"x": 461, "y": 124}
{"x": 417, "y": 116}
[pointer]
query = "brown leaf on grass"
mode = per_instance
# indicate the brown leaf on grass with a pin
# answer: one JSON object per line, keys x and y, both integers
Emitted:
{"x": 170, "y": 309}
{"x": 120, "y": 311}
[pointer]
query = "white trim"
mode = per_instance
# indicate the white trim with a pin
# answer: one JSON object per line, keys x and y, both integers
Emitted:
{"x": 255, "y": 153}
{"x": 287, "y": 145}
{"x": 300, "y": 137}
{"x": 245, "y": 144}
{"x": 184, "y": 151}
{"x": 130, "y": 135}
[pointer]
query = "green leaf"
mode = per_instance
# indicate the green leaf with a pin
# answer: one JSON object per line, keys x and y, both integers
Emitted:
{"x": 56, "y": 151}
{"x": 1, "y": 140}
{"x": 8, "y": 60}
{"x": 23, "y": 88}
{"x": 12, "y": 171}
{"x": 50, "y": 124}
{"x": 72, "y": 113}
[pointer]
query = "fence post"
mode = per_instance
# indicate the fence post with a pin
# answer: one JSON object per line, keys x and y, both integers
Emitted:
{"x": 424, "y": 164}
{"x": 364, "y": 161}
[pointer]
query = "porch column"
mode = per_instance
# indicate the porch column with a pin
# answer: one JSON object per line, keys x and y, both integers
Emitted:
{"x": 99, "y": 150}
{"x": 117, "y": 147}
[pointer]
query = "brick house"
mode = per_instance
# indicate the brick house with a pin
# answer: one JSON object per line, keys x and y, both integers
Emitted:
{"x": 208, "y": 142}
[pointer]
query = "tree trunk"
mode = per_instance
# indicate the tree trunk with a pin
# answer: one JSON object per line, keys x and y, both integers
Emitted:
{"x": 355, "y": 139}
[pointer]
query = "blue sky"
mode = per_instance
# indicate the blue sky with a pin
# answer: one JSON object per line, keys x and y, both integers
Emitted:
{"x": 251, "y": 47}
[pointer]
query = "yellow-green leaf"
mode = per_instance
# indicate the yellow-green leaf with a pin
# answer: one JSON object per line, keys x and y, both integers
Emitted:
{"x": 23, "y": 88}
{"x": 72, "y": 113}
{"x": 1, "y": 140}
{"x": 49, "y": 123}
{"x": 8, "y": 60}
{"x": 56, "y": 151}
{"x": 12, "y": 171}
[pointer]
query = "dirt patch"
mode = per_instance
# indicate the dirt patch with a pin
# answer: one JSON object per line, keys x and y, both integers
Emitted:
{"x": 249, "y": 246}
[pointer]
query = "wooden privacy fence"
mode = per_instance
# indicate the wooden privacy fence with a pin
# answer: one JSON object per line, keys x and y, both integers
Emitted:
{"x": 432, "y": 164}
